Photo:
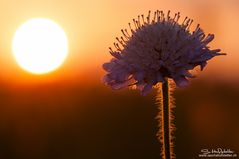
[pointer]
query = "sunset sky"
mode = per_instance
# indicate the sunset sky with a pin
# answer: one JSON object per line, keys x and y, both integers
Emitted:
{"x": 92, "y": 26}
{"x": 70, "y": 113}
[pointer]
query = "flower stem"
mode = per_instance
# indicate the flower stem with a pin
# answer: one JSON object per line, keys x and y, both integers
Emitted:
{"x": 166, "y": 120}
{"x": 166, "y": 103}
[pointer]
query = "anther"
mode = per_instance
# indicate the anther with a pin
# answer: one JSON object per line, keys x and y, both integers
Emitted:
{"x": 148, "y": 17}
{"x": 163, "y": 17}
{"x": 178, "y": 16}
{"x": 143, "y": 18}
{"x": 168, "y": 15}
{"x": 132, "y": 31}
{"x": 175, "y": 15}
{"x": 119, "y": 41}
{"x": 184, "y": 20}
{"x": 197, "y": 28}
{"x": 123, "y": 40}
{"x": 139, "y": 21}
{"x": 189, "y": 25}
{"x": 117, "y": 46}
{"x": 155, "y": 14}
{"x": 126, "y": 36}
{"x": 138, "y": 24}
{"x": 158, "y": 16}
{"x": 127, "y": 33}
{"x": 135, "y": 24}
{"x": 111, "y": 50}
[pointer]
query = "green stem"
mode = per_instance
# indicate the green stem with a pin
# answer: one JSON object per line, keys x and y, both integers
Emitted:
{"x": 166, "y": 120}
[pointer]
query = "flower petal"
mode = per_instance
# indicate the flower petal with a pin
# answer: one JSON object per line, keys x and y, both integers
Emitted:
{"x": 108, "y": 66}
{"x": 116, "y": 54}
{"x": 147, "y": 88}
{"x": 181, "y": 81}
{"x": 155, "y": 50}
{"x": 139, "y": 76}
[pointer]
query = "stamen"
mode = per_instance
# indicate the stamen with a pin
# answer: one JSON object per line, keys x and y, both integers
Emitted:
{"x": 184, "y": 20}
{"x": 148, "y": 17}
{"x": 186, "y": 24}
{"x": 190, "y": 23}
{"x": 132, "y": 31}
{"x": 198, "y": 26}
{"x": 178, "y": 16}
{"x": 158, "y": 15}
{"x": 121, "y": 42}
{"x": 139, "y": 25}
{"x": 161, "y": 17}
{"x": 111, "y": 51}
{"x": 142, "y": 16}
{"x": 168, "y": 15}
{"x": 126, "y": 36}
{"x": 117, "y": 46}
{"x": 154, "y": 19}
{"x": 196, "y": 29}
{"x": 175, "y": 15}
{"x": 127, "y": 33}
{"x": 175, "y": 19}
{"x": 135, "y": 24}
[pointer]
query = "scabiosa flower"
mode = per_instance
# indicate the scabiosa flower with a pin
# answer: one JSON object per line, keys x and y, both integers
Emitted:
{"x": 158, "y": 48}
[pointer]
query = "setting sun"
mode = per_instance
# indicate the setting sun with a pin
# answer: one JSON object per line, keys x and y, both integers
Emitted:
{"x": 40, "y": 46}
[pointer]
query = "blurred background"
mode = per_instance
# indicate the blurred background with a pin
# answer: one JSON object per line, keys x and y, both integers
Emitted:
{"x": 70, "y": 114}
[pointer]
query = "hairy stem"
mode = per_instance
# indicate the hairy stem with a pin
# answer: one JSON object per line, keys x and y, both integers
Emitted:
{"x": 166, "y": 120}
{"x": 165, "y": 102}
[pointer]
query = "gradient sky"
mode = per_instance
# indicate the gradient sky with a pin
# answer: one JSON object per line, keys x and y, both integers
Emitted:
{"x": 92, "y": 25}
{"x": 69, "y": 113}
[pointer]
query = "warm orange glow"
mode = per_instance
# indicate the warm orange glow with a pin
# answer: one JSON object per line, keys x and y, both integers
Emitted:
{"x": 40, "y": 46}
{"x": 70, "y": 113}
{"x": 92, "y": 27}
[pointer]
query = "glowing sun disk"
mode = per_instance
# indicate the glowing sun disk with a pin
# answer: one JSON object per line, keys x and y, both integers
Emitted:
{"x": 40, "y": 46}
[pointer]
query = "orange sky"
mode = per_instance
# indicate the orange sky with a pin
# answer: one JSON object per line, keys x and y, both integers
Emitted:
{"x": 92, "y": 25}
{"x": 60, "y": 113}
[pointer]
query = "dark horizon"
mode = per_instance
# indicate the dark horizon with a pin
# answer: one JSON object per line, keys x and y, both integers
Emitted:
{"x": 59, "y": 121}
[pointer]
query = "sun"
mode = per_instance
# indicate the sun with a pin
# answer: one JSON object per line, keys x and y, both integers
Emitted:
{"x": 40, "y": 46}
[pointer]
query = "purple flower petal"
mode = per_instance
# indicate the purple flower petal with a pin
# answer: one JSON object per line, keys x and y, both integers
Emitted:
{"x": 181, "y": 81}
{"x": 116, "y": 54}
{"x": 156, "y": 50}
{"x": 147, "y": 88}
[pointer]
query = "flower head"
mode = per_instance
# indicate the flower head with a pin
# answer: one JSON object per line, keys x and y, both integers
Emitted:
{"x": 158, "y": 48}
